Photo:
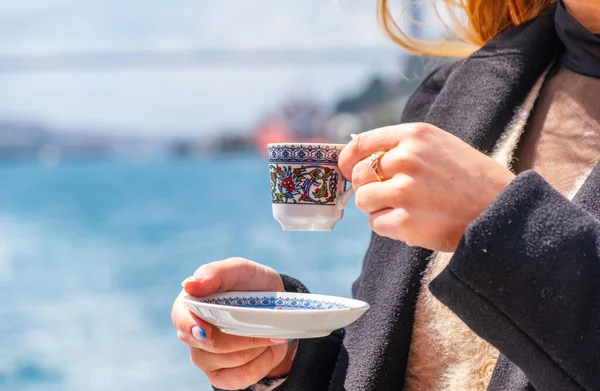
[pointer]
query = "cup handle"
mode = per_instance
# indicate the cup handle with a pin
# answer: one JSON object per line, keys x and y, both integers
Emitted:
{"x": 343, "y": 198}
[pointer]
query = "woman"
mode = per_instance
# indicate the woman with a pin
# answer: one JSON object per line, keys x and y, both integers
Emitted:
{"x": 483, "y": 271}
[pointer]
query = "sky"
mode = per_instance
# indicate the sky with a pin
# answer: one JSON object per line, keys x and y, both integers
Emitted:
{"x": 181, "y": 100}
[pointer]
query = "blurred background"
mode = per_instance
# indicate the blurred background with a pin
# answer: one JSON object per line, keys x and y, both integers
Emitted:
{"x": 132, "y": 140}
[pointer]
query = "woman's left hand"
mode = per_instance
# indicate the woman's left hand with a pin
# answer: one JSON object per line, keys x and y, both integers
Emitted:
{"x": 433, "y": 184}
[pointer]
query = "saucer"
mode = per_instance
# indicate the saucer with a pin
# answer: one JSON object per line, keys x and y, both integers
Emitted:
{"x": 276, "y": 314}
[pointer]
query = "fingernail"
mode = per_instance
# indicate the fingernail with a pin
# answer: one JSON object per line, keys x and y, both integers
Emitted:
{"x": 190, "y": 279}
{"x": 199, "y": 333}
{"x": 278, "y": 340}
{"x": 353, "y": 136}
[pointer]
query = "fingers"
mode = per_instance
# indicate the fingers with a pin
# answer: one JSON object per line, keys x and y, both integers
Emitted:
{"x": 366, "y": 144}
{"x": 230, "y": 362}
{"x": 250, "y": 373}
{"x": 197, "y": 333}
{"x": 221, "y": 343}
{"x": 363, "y": 172}
{"x": 398, "y": 192}
{"x": 390, "y": 223}
{"x": 210, "y": 362}
{"x": 184, "y": 321}
{"x": 233, "y": 274}
{"x": 374, "y": 197}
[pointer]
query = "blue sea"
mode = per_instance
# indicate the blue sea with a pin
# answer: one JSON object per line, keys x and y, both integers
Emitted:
{"x": 92, "y": 253}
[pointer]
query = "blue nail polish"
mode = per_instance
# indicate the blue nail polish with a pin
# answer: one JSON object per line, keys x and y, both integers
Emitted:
{"x": 291, "y": 340}
{"x": 199, "y": 333}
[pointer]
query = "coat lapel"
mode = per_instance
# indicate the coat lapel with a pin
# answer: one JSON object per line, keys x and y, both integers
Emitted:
{"x": 479, "y": 99}
{"x": 587, "y": 196}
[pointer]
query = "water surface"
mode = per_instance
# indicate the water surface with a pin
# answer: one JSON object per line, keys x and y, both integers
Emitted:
{"x": 92, "y": 254}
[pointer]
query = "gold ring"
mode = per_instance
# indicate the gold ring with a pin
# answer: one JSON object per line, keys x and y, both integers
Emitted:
{"x": 375, "y": 158}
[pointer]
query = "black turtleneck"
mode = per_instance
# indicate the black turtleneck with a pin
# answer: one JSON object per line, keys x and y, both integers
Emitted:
{"x": 582, "y": 48}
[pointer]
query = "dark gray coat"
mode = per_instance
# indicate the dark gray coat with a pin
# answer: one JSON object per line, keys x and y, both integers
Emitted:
{"x": 526, "y": 275}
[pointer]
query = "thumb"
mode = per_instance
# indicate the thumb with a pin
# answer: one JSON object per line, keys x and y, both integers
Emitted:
{"x": 233, "y": 274}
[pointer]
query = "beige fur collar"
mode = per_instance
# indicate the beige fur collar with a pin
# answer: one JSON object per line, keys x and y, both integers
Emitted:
{"x": 505, "y": 148}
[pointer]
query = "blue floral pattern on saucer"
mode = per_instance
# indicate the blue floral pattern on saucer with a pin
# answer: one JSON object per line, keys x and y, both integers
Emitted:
{"x": 284, "y": 303}
{"x": 255, "y": 314}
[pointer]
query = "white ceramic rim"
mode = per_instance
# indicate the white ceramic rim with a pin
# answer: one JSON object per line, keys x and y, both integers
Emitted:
{"x": 341, "y": 146}
{"x": 352, "y": 303}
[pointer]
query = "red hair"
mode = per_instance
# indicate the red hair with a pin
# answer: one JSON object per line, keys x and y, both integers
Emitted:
{"x": 485, "y": 19}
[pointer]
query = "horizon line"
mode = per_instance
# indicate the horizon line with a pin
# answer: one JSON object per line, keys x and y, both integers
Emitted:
{"x": 139, "y": 59}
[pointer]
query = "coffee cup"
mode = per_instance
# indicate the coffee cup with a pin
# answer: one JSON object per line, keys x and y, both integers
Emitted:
{"x": 307, "y": 186}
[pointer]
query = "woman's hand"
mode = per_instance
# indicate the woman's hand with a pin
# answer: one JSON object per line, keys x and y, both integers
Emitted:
{"x": 433, "y": 184}
{"x": 231, "y": 362}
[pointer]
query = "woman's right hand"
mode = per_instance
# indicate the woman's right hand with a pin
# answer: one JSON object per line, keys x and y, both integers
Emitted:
{"x": 231, "y": 362}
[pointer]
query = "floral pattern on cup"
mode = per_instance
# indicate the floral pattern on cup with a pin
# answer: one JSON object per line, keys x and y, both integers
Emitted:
{"x": 303, "y": 184}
